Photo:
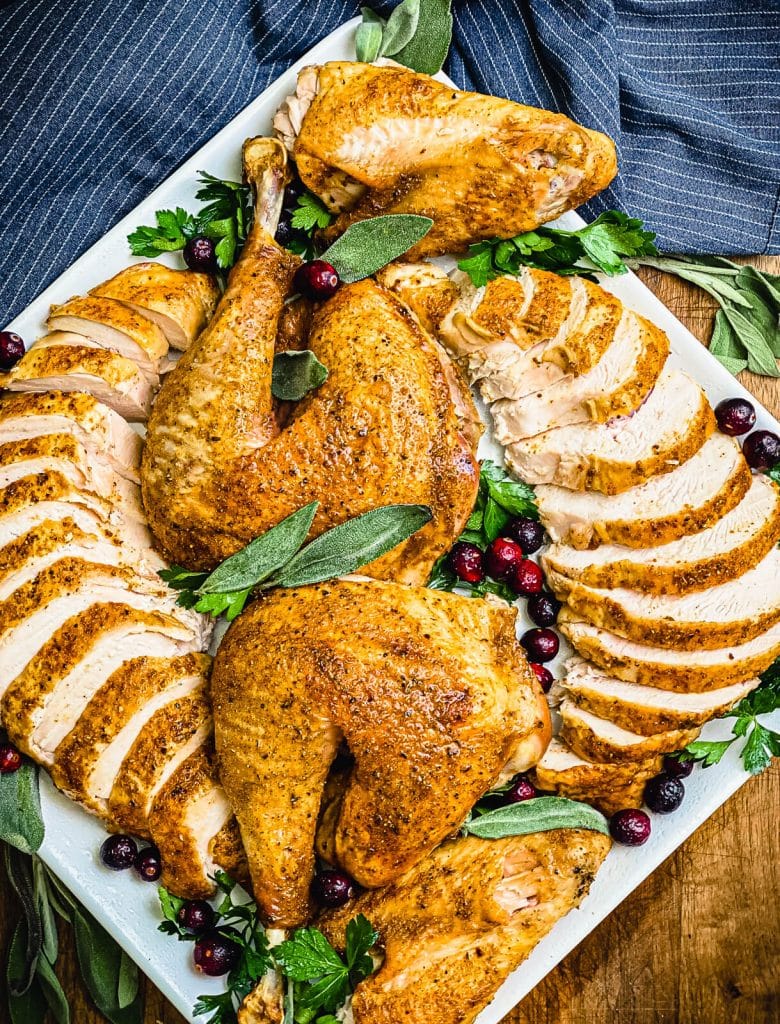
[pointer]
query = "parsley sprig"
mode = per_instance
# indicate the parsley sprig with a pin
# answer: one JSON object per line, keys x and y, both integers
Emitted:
{"x": 499, "y": 499}
{"x": 761, "y": 742}
{"x": 309, "y": 216}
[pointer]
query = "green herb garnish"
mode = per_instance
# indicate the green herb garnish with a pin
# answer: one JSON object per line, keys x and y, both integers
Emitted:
{"x": 541, "y": 814}
{"x": 762, "y": 743}
{"x": 368, "y": 245}
{"x": 295, "y": 374}
{"x": 417, "y": 34}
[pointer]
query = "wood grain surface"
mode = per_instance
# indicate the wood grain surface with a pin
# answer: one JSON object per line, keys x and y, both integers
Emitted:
{"x": 697, "y": 943}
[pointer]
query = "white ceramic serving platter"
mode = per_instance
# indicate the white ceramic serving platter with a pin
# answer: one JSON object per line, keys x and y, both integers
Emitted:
{"x": 127, "y": 907}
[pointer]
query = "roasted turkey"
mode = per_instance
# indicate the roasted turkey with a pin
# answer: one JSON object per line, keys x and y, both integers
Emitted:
{"x": 374, "y": 139}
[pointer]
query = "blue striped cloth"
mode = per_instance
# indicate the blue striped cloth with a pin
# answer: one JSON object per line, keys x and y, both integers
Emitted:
{"x": 101, "y": 99}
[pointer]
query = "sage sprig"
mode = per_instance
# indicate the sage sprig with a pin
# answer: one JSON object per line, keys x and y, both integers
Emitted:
{"x": 368, "y": 245}
{"x": 295, "y": 374}
{"x": 21, "y": 823}
{"x": 277, "y": 558}
{"x": 417, "y": 34}
{"x": 541, "y": 814}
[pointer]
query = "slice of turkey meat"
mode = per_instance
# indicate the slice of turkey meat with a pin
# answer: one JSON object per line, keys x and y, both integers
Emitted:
{"x": 722, "y": 552}
{"x": 731, "y": 613}
{"x": 690, "y": 498}
{"x": 666, "y": 430}
{"x": 103, "y": 433}
{"x": 116, "y": 327}
{"x": 44, "y": 702}
{"x": 645, "y": 709}
{"x": 180, "y": 302}
{"x": 598, "y": 739}
{"x": 111, "y": 378}
{"x": 617, "y": 385}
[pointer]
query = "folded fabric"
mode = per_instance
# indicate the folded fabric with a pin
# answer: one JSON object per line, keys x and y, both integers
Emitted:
{"x": 101, "y": 100}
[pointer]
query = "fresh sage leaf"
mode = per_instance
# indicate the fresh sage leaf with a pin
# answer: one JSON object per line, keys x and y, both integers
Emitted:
{"x": 19, "y": 871}
{"x": 100, "y": 960}
{"x": 45, "y": 913}
{"x": 21, "y": 824}
{"x": 368, "y": 38}
{"x": 541, "y": 814}
{"x": 427, "y": 50}
{"x": 760, "y": 358}
{"x": 368, "y": 245}
{"x": 353, "y": 544}
{"x": 400, "y": 28}
{"x": 52, "y": 992}
{"x": 262, "y": 556}
{"x": 295, "y": 374}
{"x": 59, "y": 897}
{"x": 26, "y": 1003}
{"x": 127, "y": 986}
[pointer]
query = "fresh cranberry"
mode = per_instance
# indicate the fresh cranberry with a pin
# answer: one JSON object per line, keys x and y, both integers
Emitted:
{"x": 502, "y": 557}
{"x": 541, "y": 644}
{"x": 630, "y": 827}
{"x": 148, "y": 864}
{"x": 735, "y": 416}
{"x": 214, "y": 954}
{"x": 543, "y": 609}
{"x": 316, "y": 280}
{"x": 118, "y": 852}
{"x": 678, "y": 767}
{"x": 293, "y": 193}
{"x": 332, "y": 888}
{"x": 196, "y": 916}
{"x": 664, "y": 794}
{"x": 521, "y": 790}
{"x": 528, "y": 533}
{"x": 761, "y": 449}
{"x": 526, "y": 578}
{"x": 544, "y": 675}
{"x": 11, "y": 349}
{"x": 467, "y": 562}
{"x": 285, "y": 232}
{"x": 200, "y": 254}
{"x": 10, "y": 759}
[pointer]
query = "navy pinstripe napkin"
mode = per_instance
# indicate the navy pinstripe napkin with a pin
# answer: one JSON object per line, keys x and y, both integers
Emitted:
{"x": 100, "y": 100}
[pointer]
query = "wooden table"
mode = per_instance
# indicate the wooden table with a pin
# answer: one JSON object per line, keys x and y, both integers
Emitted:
{"x": 697, "y": 943}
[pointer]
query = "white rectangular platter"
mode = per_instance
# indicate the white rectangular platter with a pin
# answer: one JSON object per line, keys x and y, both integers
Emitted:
{"x": 127, "y": 907}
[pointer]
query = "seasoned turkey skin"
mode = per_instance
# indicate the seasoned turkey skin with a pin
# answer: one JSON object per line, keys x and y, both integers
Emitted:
{"x": 431, "y": 693}
{"x": 218, "y": 469}
{"x": 599, "y": 739}
{"x": 371, "y": 140}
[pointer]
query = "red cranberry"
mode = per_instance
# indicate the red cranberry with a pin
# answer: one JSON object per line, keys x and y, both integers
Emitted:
{"x": 521, "y": 790}
{"x": 11, "y": 349}
{"x": 502, "y": 557}
{"x": 664, "y": 794}
{"x": 526, "y": 578}
{"x": 543, "y": 609}
{"x": 735, "y": 416}
{"x": 196, "y": 916}
{"x": 467, "y": 562}
{"x": 215, "y": 954}
{"x": 316, "y": 280}
{"x": 541, "y": 644}
{"x": 118, "y": 852}
{"x": 630, "y": 827}
{"x": 148, "y": 864}
{"x": 544, "y": 675}
{"x": 678, "y": 767}
{"x": 528, "y": 533}
{"x": 761, "y": 449}
{"x": 332, "y": 888}
{"x": 293, "y": 193}
{"x": 200, "y": 254}
{"x": 10, "y": 759}
{"x": 285, "y": 232}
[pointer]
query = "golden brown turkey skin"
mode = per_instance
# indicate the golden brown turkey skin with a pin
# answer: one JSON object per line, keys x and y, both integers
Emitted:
{"x": 386, "y": 426}
{"x": 383, "y": 139}
{"x": 431, "y": 692}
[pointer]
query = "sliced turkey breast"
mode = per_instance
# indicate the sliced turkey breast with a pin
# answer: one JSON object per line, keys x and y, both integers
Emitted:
{"x": 670, "y": 669}
{"x": 617, "y": 385}
{"x": 34, "y": 612}
{"x": 610, "y": 787}
{"x": 44, "y": 702}
{"x": 99, "y": 429}
{"x": 601, "y": 740}
{"x": 227, "y": 850}
{"x": 111, "y": 378}
{"x": 113, "y": 326}
{"x": 666, "y": 430}
{"x": 731, "y": 613}
{"x": 89, "y": 759}
{"x": 188, "y": 813}
{"x": 180, "y": 302}
{"x": 646, "y": 709}
{"x": 722, "y": 552}
{"x": 664, "y": 508}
